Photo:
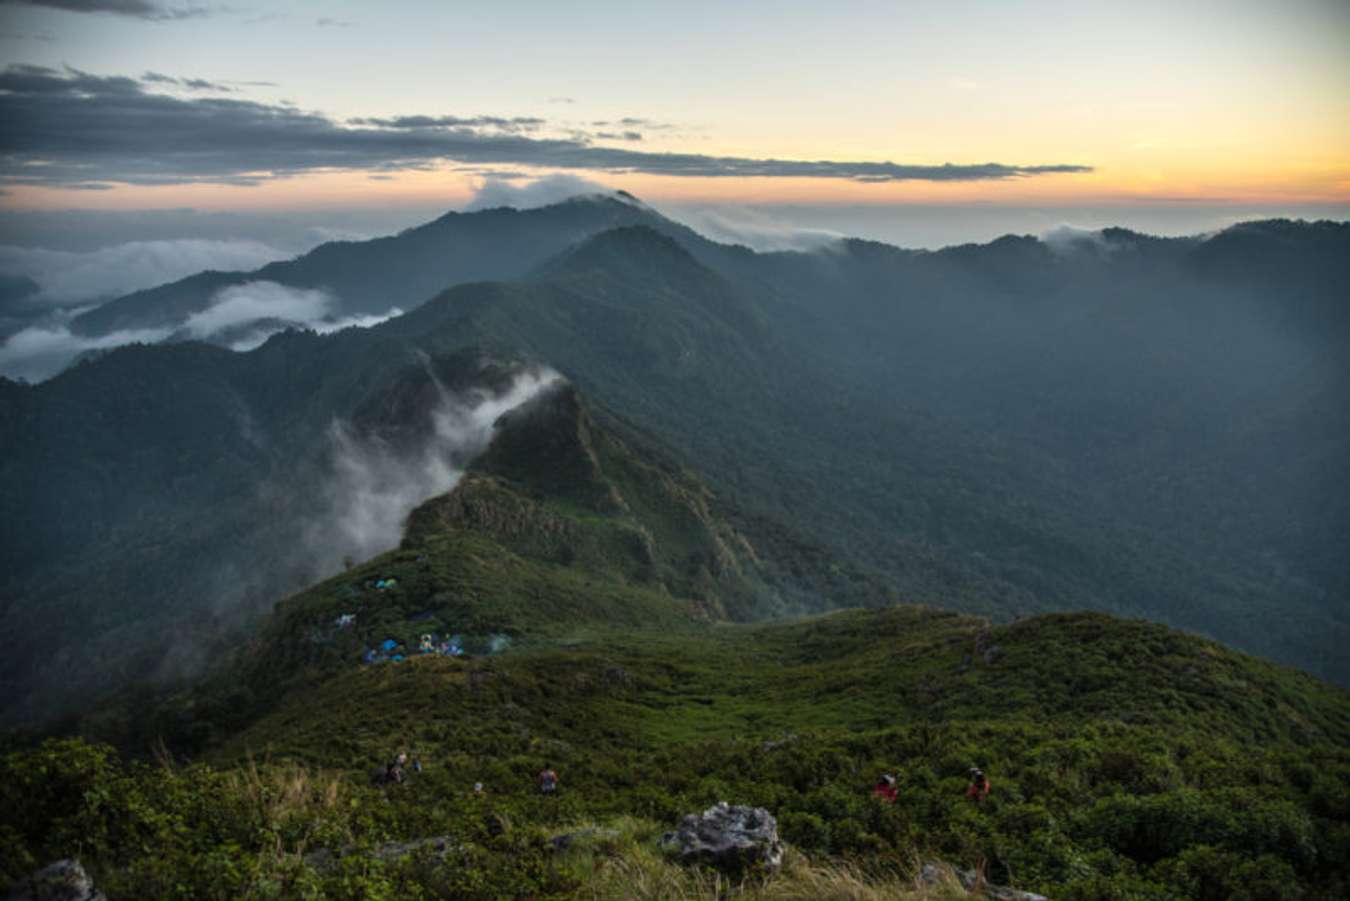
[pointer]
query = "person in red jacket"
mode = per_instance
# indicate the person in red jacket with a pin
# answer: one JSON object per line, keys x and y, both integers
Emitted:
{"x": 885, "y": 789}
{"x": 979, "y": 785}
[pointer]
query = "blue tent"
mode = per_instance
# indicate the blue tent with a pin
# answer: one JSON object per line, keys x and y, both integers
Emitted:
{"x": 389, "y": 644}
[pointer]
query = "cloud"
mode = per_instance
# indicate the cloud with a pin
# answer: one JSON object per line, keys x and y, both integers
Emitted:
{"x": 494, "y": 192}
{"x": 69, "y": 277}
{"x": 136, "y": 9}
{"x": 249, "y": 302}
{"x": 66, "y": 128}
{"x": 40, "y": 352}
{"x": 514, "y": 123}
{"x": 634, "y": 122}
{"x": 244, "y": 316}
{"x": 334, "y": 23}
{"x": 280, "y": 233}
{"x": 192, "y": 84}
{"x": 739, "y": 225}
{"x": 1065, "y": 239}
{"x": 240, "y": 317}
{"x": 374, "y": 487}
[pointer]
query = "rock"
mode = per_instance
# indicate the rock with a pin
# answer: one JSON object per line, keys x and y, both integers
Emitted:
{"x": 64, "y": 880}
{"x": 774, "y": 744}
{"x": 936, "y": 874}
{"x": 734, "y": 839}
{"x": 993, "y": 655}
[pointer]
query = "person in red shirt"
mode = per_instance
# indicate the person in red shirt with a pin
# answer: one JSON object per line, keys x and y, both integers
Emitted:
{"x": 979, "y": 785}
{"x": 885, "y": 789}
{"x": 548, "y": 780}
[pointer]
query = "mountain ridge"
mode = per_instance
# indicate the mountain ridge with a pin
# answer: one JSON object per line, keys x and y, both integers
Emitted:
{"x": 902, "y": 414}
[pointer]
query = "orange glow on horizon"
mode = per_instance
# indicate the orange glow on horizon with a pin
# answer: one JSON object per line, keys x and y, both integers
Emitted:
{"x": 1311, "y": 181}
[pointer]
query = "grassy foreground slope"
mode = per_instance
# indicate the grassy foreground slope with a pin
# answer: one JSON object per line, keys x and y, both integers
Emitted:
{"x": 1127, "y": 759}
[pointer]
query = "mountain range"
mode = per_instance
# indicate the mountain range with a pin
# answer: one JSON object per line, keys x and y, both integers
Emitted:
{"x": 1108, "y": 421}
{"x": 565, "y": 606}
{"x": 593, "y": 503}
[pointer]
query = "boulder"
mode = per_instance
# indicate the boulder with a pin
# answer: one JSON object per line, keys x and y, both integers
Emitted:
{"x": 64, "y": 880}
{"x": 733, "y": 839}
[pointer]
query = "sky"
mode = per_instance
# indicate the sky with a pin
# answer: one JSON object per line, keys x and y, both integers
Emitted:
{"x": 852, "y": 117}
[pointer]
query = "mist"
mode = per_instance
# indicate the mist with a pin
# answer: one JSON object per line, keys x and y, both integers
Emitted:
{"x": 497, "y": 192}
{"x": 36, "y": 354}
{"x": 374, "y": 485}
{"x": 68, "y": 278}
{"x": 240, "y": 317}
{"x": 352, "y": 510}
{"x": 755, "y": 228}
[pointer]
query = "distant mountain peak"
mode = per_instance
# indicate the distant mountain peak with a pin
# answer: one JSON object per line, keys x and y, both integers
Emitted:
{"x": 604, "y": 197}
{"x": 627, "y": 247}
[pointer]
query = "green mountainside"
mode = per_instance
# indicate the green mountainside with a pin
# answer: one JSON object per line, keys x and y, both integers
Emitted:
{"x": 588, "y": 580}
{"x": 158, "y": 499}
{"x": 1148, "y": 427}
{"x": 1000, "y": 429}
{"x": 400, "y": 271}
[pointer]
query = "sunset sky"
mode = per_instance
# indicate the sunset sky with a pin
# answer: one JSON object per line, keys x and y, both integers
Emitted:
{"x": 141, "y": 104}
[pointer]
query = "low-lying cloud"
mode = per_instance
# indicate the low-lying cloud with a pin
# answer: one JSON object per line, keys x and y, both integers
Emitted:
{"x": 754, "y": 229}
{"x": 40, "y": 352}
{"x": 240, "y": 317}
{"x": 375, "y": 486}
{"x": 243, "y": 304}
{"x": 72, "y": 129}
{"x": 1066, "y": 238}
{"x": 243, "y": 317}
{"x": 70, "y": 278}
{"x": 495, "y": 192}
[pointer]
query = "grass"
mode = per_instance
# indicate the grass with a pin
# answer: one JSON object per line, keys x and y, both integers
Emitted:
{"x": 1127, "y": 759}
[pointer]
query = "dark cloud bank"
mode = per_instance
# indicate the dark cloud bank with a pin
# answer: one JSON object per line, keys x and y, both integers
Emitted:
{"x": 70, "y": 128}
{"x": 136, "y": 9}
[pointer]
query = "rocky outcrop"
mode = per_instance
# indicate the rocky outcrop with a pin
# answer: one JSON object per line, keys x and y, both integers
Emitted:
{"x": 64, "y": 880}
{"x": 735, "y": 839}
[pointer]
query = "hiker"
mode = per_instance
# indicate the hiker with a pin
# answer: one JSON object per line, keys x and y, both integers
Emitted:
{"x": 417, "y": 764}
{"x": 478, "y": 791}
{"x": 885, "y": 789}
{"x": 548, "y": 780}
{"x": 979, "y": 785}
{"x": 393, "y": 773}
